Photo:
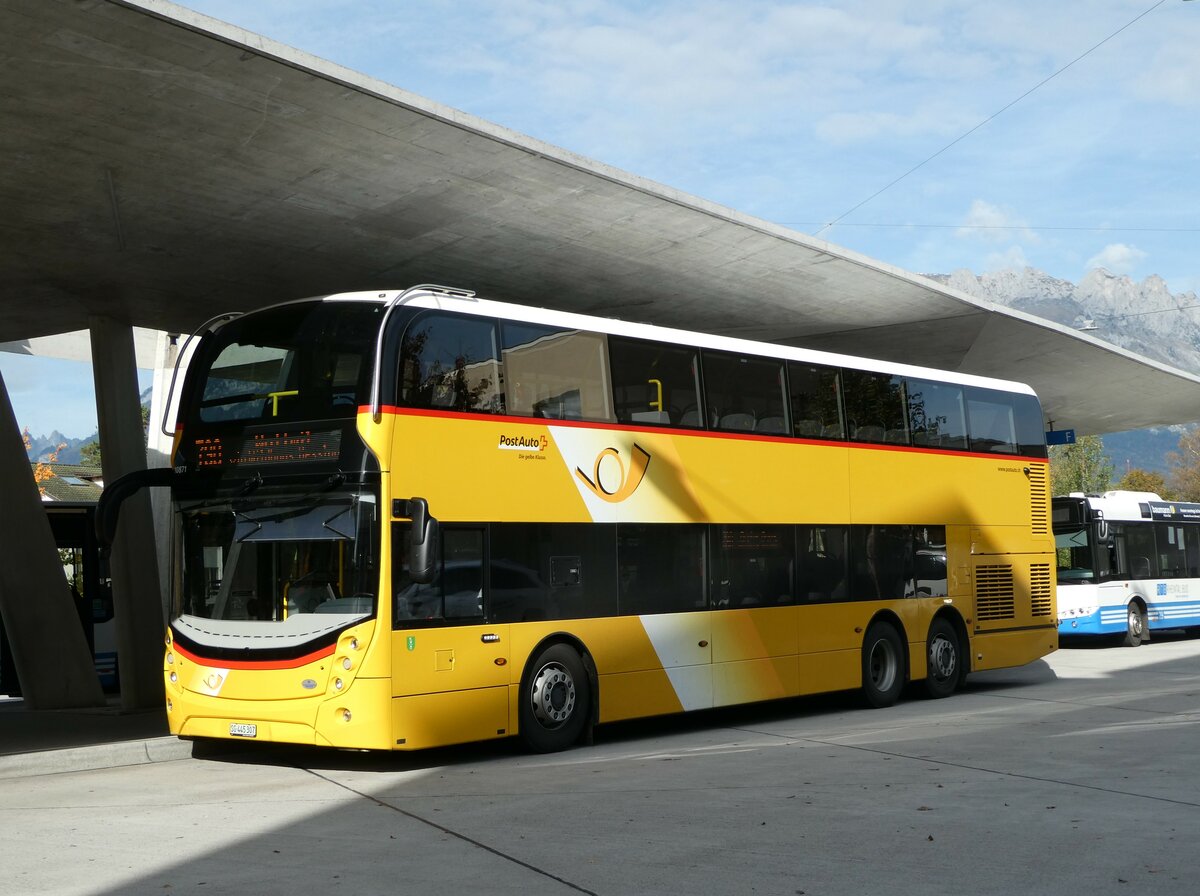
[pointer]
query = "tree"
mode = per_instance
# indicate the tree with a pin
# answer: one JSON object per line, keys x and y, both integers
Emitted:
{"x": 90, "y": 453}
{"x": 1185, "y": 467}
{"x": 43, "y": 470}
{"x": 1082, "y": 467}
{"x": 1146, "y": 481}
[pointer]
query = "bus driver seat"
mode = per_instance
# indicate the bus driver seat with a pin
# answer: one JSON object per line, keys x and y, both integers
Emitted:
{"x": 304, "y": 596}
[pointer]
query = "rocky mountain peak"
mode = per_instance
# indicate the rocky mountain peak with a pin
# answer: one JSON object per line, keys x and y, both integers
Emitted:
{"x": 1144, "y": 317}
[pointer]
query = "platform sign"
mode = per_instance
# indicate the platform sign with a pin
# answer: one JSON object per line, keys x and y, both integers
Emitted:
{"x": 1060, "y": 437}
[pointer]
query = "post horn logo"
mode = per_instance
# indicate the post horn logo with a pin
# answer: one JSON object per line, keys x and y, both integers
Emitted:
{"x": 629, "y": 479}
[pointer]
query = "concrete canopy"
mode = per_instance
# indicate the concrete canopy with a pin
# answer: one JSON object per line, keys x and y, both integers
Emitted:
{"x": 162, "y": 167}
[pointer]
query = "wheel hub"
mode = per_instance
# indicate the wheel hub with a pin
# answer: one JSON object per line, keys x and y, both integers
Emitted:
{"x": 553, "y": 695}
{"x": 883, "y": 665}
{"x": 942, "y": 658}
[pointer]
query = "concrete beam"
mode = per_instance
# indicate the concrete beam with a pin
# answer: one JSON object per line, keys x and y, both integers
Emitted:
{"x": 133, "y": 563}
{"x": 50, "y": 651}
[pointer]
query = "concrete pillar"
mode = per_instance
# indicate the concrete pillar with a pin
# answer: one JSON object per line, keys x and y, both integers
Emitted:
{"x": 159, "y": 440}
{"x": 137, "y": 599}
{"x": 50, "y": 651}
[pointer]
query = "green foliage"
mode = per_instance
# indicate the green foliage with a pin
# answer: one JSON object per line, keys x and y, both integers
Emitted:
{"x": 1146, "y": 481}
{"x": 1185, "y": 467}
{"x": 90, "y": 454}
{"x": 1082, "y": 467}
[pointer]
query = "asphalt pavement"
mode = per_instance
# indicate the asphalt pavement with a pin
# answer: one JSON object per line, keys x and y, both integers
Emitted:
{"x": 44, "y": 742}
{"x": 1076, "y": 773}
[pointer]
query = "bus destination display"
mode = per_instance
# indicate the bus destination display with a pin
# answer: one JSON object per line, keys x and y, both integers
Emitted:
{"x": 268, "y": 447}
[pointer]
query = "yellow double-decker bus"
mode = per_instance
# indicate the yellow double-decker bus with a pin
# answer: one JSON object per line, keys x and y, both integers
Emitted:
{"x": 404, "y": 520}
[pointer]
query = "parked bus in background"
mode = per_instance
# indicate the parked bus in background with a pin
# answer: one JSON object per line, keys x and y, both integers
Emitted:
{"x": 1128, "y": 562}
{"x": 411, "y": 519}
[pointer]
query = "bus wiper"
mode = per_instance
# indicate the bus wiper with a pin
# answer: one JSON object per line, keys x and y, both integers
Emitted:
{"x": 257, "y": 521}
{"x": 333, "y": 480}
{"x": 253, "y": 522}
{"x": 340, "y": 512}
{"x": 251, "y": 484}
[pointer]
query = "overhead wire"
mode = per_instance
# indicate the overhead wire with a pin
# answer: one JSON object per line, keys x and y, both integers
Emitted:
{"x": 991, "y": 117}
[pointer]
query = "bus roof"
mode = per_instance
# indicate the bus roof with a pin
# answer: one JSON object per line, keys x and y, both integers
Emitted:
{"x": 1117, "y": 506}
{"x": 465, "y": 303}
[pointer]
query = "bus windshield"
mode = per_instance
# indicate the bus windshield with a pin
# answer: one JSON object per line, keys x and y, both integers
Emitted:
{"x": 277, "y": 558}
{"x": 1074, "y": 554}
{"x": 304, "y": 361}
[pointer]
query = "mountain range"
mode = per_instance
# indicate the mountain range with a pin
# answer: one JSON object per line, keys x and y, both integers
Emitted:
{"x": 42, "y": 447}
{"x": 1144, "y": 317}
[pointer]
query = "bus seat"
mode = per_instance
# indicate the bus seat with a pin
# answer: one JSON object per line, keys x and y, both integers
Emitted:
{"x": 809, "y": 428}
{"x": 833, "y": 431}
{"x": 1141, "y": 567}
{"x": 304, "y": 598}
{"x": 738, "y": 421}
{"x": 869, "y": 434}
{"x": 770, "y": 424}
{"x": 896, "y": 436}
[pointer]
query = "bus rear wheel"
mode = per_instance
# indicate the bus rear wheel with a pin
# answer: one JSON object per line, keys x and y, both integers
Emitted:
{"x": 1135, "y": 625}
{"x": 882, "y": 665}
{"x": 555, "y": 700}
{"x": 943, "y": 656}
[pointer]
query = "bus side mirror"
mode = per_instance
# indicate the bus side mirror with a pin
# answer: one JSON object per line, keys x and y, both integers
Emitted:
{"x": 1104, "y": 533}
{"x": 423, "y": 542}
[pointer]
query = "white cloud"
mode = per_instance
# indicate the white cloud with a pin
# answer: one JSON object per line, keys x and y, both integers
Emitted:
{"x": 1172, "y": 77}
{"x": 1117, "y": 258}
{"x": 994, "y": 224}
{"x": 1011, "y": 259}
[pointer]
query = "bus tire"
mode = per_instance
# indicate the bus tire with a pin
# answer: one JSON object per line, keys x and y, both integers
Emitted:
{"x": 555, "y": 700}
{"x": 1135, "y": 625}
{"x": 943, "y": 656}
{"x": 882, "y": 665}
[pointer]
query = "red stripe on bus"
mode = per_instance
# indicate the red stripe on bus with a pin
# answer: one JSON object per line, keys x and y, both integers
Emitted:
{"x": 704, "y": 433}
{"x": 255, "y": 664}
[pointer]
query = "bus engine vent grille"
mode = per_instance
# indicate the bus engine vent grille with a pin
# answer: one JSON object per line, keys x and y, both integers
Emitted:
{"x": 1039, "y": 589}
{"x": 1037, "y": 499}
{"x": 995, "y": 597}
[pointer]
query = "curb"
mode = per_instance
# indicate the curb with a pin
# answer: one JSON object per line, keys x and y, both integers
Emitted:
{"x": 100, "y": 756}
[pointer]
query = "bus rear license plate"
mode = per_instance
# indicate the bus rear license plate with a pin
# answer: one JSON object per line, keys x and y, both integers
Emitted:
{"x": 242, "y": 729}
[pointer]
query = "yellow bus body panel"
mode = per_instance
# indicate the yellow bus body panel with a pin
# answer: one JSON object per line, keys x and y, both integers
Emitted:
{"x": 421, "y": 687}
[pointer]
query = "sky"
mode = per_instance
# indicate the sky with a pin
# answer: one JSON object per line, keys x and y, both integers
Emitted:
{"x": 801, "y": 113}
{"x": 52, "y": 394}
{"x": 933, "y": 136}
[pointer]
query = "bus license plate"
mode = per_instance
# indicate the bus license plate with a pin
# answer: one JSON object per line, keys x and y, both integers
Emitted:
{"x": 243, "y": 729}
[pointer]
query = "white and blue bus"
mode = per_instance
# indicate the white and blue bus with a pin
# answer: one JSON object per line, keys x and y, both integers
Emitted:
{"x": 1128, "y": 563}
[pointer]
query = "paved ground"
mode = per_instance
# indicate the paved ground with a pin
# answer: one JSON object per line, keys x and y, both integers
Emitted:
{"x": 1080, "y": 773}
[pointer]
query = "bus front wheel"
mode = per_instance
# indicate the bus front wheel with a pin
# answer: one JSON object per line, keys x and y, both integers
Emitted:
{"x": 882, "y": 665}
{"x": 555, "y": 700}
{"x": 1135, "y": 625}
{"x": 944, "y": 660}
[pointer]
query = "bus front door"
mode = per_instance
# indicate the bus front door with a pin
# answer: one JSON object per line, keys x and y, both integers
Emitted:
{"x": 449, "y": 685}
